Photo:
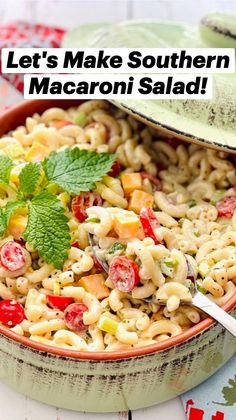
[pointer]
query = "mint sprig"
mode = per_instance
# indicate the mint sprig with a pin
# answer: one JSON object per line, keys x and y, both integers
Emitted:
{"x": 3, "y": 222}
{"x": 72, "y": 171}
{"x": 30, "y": 178}
{"x": 77, "y": 170}
{"x": 47, "y": 229}
{"x": 6, "y": 165}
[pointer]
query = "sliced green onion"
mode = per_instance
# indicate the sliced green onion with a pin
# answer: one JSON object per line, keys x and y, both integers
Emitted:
{"x": 117, "y": 246}
{"x": 203, "y": 269}
{"x": 92, "y": 220}
{"x": 167, "y": 266}
{"x": 108, "y": 325}
{"x": 218, "y": 194}
{"x": 81, "y": 119}
{"x": 201, "y": 289}
{"x": 192, "y": 203}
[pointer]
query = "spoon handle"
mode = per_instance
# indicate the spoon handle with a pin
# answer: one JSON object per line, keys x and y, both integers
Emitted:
{"x": 202, "y": 302}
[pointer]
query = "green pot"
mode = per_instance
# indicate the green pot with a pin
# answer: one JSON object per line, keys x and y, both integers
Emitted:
{"x": 116, "y": 381}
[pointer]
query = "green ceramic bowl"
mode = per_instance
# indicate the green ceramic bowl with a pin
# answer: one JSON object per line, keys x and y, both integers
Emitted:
{"x": 211, "y": 123}
{"x": 105, "y": 382}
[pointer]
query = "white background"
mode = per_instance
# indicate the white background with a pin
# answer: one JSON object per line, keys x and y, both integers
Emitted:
{"x": 69, "y": 14}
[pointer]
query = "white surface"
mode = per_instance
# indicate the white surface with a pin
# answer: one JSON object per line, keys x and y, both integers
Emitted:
{"x": 69, "y": 14}
{"x": 14, "y": 406}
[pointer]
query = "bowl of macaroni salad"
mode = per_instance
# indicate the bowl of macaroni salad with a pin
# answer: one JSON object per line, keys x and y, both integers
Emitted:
{"x": 105, "y": 226}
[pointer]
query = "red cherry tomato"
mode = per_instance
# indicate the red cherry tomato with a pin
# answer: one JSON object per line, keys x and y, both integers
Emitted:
{"x": 155, "y": 181}
{"x": 82, "y": 202}
{"x": 62, "y": 123}
{"x": 12, "y": 256}
{"x": 59, "y": 302}
{"x": 149, "y": 223}
{"x": 74, "y": 316}
{"x": 11, "y": 312}
{"x": 226, "y": 206}
{"x": 124, "y": 273}
{"x": 115, "y": 169}
{"x": 75, "y": 244}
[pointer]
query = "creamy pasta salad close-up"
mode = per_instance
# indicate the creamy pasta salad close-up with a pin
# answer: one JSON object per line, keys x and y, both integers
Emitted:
{"x": 107, "y": 226}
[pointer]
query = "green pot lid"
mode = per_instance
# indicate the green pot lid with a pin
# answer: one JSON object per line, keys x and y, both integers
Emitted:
{"x": 209, "y": 122}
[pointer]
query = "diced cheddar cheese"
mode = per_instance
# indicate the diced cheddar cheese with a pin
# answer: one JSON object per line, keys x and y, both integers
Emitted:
{"x": 37, "y": 152}
{"x": 126, "y": 225}
{"x": 131, "y": 182}
{"x": 140, "y": 199}
{"x": 95, "y": 284}
{"x": 17, "y": 225}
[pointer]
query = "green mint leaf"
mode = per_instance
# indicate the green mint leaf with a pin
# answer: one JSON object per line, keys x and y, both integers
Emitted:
{"x": 77, "y": 170}
{"x": 6, "y": 165}
{"x": 11, "y": 207}
{"x": 47, "y": 229}
{"x": 3, "y": 222}
{"x": 29, "y": 178}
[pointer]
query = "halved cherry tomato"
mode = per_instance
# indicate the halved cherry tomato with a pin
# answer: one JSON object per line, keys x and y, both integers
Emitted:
{"x": 124, "y": 273}
{"x": 62, "y": 123}
{"x": 59, "y": 302}
{"x": 115, "y": 169}
{"x": 12, "y": 256}
{"x": 11, "y": 312}
{"x": 226, "y": 206}
{"x": 75, "y": 244}
{"x": 74, "y": 316}
{"x": 82, "y": 202}
{"x": 149, "y": 223}
{"x": 155, "y": 181}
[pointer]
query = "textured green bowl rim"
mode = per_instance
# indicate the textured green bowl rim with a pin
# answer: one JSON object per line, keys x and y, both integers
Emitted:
{"x": 175, "y": 132}
{"x": 10, "y": 119}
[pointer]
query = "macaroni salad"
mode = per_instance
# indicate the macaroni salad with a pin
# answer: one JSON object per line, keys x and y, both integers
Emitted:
{"x": 105, "y": 225}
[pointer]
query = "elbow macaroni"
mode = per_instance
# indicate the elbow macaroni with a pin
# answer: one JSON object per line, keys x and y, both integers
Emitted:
{"x": 192, "y": 239}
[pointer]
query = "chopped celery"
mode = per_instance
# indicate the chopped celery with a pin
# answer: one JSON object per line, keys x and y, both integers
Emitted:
{"x": 170, "y": 262}
{"x": 92, "y": 220}
{"x": 53, "y": 188}
{"x": 192, "y": 203}
{"x": 81, "y": 119}
{"x": 108, "y": 325}
{"x": 64, "y": 199}
{"x": 203, "y": 269}
{"x": 167, "y": 266}
{"x": 201, "y": 289}
{"x": 14, "y": 150}
{"x": 218, "y": 194}
{"x": 56, "y": 288}
{"x": 117, "y": 246}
